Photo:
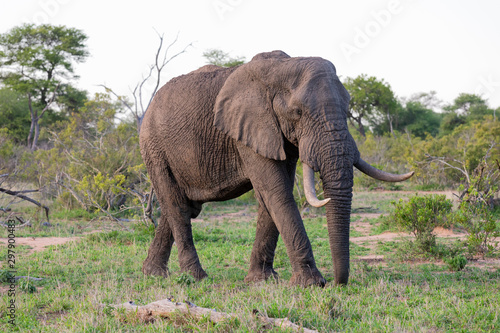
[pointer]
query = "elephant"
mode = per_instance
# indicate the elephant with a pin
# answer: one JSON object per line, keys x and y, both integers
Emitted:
{"x": 216, "y": 133}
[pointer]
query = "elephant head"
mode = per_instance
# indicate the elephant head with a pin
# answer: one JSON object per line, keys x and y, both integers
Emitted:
{"x": 275, "y": 99}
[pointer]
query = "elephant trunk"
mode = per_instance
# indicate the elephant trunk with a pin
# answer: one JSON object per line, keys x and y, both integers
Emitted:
{"x": 338, "y": 217}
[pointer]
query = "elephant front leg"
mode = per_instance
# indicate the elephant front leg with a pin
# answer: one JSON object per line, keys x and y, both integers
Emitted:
{"x": 159, "y": 251}
{"x": 262, "y": 258}
{"x": 274, "y": 190}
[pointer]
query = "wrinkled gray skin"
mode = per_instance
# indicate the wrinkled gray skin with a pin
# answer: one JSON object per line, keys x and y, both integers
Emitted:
{"x": 216, "y": 133}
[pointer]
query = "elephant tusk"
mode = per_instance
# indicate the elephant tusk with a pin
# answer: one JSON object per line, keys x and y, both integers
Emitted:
{"x": 309, "y": 189}
{"x": 379, "y": 174}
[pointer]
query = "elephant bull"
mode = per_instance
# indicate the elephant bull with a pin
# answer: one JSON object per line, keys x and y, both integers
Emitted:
{"x": 216, "y": 133}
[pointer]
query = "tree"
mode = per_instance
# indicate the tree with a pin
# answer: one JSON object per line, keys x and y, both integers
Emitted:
{"x": 222, "y": 59}
{"x": 468, "y": 147}
{"x": 464, "y": 109}
{"x": 38, "y": 61}
{"x": 372, "y": 102}
{"x": 419, "y": 120}
{"x": 468, "y": 105}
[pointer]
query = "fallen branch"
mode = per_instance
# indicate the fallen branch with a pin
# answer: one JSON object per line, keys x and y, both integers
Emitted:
{"x": 20, "y": 196}
{"x": 18, "y": 226}
{"x": 167, "y": 307}
{"x": 28, "y": 277}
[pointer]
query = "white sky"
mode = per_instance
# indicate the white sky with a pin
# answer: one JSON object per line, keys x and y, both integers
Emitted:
{"x": 414, "y": 45}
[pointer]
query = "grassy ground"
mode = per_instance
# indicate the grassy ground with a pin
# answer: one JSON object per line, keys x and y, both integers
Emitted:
{"x": 382, "y": 296}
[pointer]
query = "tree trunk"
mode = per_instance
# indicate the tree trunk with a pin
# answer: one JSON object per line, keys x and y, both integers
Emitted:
{"x": 30, "y": 134}
{"x": 37, "y": 134}
{"x": 389, "y": 119}
{"x": 361, "y": 128}
{"x": 33, "y": 117}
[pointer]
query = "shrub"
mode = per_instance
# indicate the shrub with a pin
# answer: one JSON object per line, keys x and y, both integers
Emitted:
{"x": 456, "y": 263}
{"x": 5, "y": 276}
{"x": 478, "y": 220}
{"x": 420, "y": 215}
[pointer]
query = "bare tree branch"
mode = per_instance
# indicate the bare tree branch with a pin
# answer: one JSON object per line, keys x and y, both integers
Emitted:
{"x": 20, "y": 196}
{"x": 162, "y": 59}
{"x": 442, "y": 160}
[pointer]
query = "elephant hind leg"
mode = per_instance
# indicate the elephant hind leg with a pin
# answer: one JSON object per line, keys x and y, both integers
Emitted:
{"x": 262, "y": 258}
{"x": 159, "y": 251}
{"x": 175, "y": 224}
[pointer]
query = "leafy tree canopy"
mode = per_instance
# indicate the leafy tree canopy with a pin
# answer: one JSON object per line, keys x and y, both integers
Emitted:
{"x": 38, "y": 61}
{"x": 372, "y": 102}
{"x": 221, "y": 58}
{"x": 464, "y": 109}
{"x": 34, "y": 59}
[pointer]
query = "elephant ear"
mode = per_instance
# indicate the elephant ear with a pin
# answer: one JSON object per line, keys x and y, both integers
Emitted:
{"x": 243, "y": 109}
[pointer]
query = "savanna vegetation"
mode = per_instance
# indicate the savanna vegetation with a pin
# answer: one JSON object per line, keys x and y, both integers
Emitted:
{"x": 70, "y": 166}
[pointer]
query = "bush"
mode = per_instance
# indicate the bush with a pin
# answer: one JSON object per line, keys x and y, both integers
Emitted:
{"x": 480, "y": 224}
{"x": 420, "y": 215}
{"x": 456, "y": 263}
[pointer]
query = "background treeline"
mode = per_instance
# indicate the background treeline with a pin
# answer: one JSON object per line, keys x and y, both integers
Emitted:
{"x": 80, "y": 151}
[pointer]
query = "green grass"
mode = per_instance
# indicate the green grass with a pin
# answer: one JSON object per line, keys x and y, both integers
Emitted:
{"x": 105, "y": 268}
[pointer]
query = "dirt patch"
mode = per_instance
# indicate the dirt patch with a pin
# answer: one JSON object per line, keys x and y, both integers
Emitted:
{"x": 363, "y": 228}
{"x": 440, "y": 231}
{"x": 490, "y": 264}
{"x": 40, "y": 243}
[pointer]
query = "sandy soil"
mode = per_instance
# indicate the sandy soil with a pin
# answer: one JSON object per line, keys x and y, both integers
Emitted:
{"x": 40, "y": 243}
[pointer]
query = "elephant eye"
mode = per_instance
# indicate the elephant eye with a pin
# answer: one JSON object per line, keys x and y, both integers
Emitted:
{"x": 298, "y": 112}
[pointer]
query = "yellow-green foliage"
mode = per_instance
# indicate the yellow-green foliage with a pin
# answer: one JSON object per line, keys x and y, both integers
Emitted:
{"x": 447, "y": 160}
{"x": 95, "y": 159}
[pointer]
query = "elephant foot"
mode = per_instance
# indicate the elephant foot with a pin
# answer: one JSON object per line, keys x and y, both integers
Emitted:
{"x": 149, "y": 268}
{"x": 198, "y": 273}
{"x": 261, "y": 275}
{"x": 308, "y": 278}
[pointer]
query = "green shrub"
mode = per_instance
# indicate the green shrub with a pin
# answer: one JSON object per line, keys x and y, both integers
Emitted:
{"x": 456, "y": 263}
{"x": 5, "y": 276}
{"x": 480, "y": 224}
{"x": 27, "y": 286}
{"x": 420, "y": 215}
